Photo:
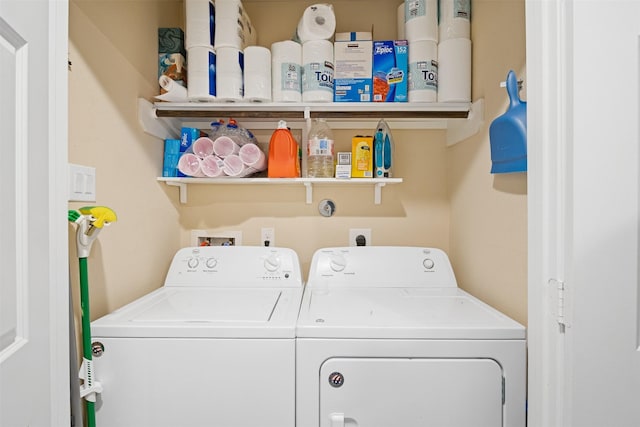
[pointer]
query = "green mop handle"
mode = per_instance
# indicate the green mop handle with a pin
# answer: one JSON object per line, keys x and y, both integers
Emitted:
{"x": 86, "y": 332}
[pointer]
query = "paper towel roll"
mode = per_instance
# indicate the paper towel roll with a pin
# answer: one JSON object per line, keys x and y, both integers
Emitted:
{"x": 423, "y": 71}
{"x": 454, "y": 75}
{"x": 257, "y": 74}
{"x": 286, "y": 71}
{"x": 201, "y": 74}
{"x": 455, "y": 19}
{"x": 233, "y": 27}
{"x": 421, "y": 20}
{"x": 174, "y": 91}
{"x": 318, "y": 22}
{"x": 400, "y": 22}
{"x": 317, "y": 71}
{"x": 199, "y": 18}
{"x": 229, "y": 69}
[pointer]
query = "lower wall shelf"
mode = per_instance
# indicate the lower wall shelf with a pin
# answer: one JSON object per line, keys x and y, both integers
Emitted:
{"x": 378, "y": 183}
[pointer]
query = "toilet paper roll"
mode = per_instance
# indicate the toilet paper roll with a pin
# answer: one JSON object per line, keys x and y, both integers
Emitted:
{"x": 400, "y": 22}
{"x": 455, "y": 19}
{"x": 317, "y": 71}
{"x": 174, "y": 91}
{"x": 199, "y": 18}
{"x": 211, "y": 166}
{"x": 286, "y": 71}
{"x": 257, "y": 74}
{"x": 252, "y": 156}
{"x": 233, "y": 26}
{"x": 318, "y": 22}
{"x": 454, "y": 70}
{"x": 423, "y": 71}
{"x": 421, "y": 20}
{"x": 201, "y": 74}
{"x": 229, "y": 69}
{"x": 224, "y": 146}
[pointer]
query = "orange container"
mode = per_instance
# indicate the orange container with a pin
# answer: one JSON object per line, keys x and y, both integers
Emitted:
{"x": 283, "y": 154}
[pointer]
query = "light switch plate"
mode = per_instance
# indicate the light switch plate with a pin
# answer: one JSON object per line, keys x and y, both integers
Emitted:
{"x": 82, "y": 183}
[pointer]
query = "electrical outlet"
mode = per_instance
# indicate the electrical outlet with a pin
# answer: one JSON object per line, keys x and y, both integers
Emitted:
{"x": 216, "y": 238}
{"x": 268, "y": 236}
{"x": 355, "y": 232}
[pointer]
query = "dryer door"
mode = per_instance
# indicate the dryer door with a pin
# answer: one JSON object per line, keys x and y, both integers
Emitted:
{"x": 383, "y": 392}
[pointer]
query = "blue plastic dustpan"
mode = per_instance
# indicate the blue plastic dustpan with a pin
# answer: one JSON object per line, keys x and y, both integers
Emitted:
{"x": 508, "y": 133}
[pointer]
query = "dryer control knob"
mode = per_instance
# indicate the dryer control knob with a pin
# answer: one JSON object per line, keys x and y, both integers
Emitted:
{"x": 193, "y": 262}
{"x": 428, "y": 263}
{"x": 272, "y": 263}
{"x": 211, "y": 262}
{"x": 337, "y": 262}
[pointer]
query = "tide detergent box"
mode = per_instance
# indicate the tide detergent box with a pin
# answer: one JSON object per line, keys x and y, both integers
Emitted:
{"x": 362, "y": 157}
{"x": 390, "y": 77}
{"x": 353, "y": 61}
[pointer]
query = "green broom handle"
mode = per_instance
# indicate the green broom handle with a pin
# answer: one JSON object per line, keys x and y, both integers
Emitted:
{"x": 86, "y": 331}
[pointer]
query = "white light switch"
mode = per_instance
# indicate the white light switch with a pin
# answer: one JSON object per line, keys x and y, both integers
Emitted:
{"x": 82, "y": 183}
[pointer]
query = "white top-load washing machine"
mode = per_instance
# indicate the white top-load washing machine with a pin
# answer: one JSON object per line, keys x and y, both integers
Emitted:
{"x": 214, "y": 346}
{"x": 387, "y": 339}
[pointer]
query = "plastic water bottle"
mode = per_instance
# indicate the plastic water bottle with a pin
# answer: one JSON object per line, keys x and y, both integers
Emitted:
{"x": 320, "y": 152}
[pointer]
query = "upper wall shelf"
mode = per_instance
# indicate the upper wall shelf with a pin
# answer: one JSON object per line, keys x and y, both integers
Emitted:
{"x": 328, "y": 110}
{"x": 461, "y": 120}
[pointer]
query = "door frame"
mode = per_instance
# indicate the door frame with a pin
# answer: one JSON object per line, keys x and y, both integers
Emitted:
{"x": 58, "y": 207}
{"x": 548, "y": 44}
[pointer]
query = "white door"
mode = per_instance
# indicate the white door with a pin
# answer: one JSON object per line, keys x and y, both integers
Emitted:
{"x": 34, "y": 365}
{"x": 583, "y": 127}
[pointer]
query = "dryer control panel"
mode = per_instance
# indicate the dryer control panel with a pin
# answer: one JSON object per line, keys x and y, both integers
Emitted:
{"x": 235, "y": 266}
{"x": 381, "y": 266}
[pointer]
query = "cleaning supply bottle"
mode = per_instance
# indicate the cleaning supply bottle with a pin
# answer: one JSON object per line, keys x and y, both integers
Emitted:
{"x": 320, "y": 151}
{"x": 383, "y": 150}
{"x": 283, "y": 154}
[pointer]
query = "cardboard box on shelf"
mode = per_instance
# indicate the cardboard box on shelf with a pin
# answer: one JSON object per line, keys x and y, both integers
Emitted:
{"x": 353, "y": 66}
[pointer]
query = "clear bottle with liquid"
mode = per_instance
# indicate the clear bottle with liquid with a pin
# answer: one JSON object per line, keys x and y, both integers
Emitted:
{"x": 320, "y": 150}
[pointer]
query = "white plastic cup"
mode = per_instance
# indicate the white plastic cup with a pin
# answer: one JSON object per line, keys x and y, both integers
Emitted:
{"x": 224, "y": 146}
{"x": 202, "y": 147}
{"x": 212, "y": 166}
{"x": 251, "y": 155}
{"x": 189, "y": 164}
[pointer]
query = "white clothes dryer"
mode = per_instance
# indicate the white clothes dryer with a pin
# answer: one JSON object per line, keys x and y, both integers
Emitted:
{"x": 214, "y": 346}
{"x": 386, "y": 338}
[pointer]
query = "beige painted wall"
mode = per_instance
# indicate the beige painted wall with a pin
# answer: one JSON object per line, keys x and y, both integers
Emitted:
{"x": 113, "y": 49}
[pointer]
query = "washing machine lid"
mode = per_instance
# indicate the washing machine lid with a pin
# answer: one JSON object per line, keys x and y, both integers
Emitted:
{"x": 207, "y": 313}
{"x": 401, "y": 313}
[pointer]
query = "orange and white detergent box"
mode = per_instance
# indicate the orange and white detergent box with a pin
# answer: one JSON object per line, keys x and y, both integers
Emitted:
{"x": 362, "y": 157}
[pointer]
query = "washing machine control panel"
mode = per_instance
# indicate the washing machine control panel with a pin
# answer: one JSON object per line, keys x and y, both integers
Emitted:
{"x": 235, "y": 266}
{"x": 379, "y": 266}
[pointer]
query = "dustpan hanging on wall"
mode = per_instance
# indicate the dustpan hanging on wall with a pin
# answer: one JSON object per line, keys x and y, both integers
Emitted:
{"x": 508, "y": 133}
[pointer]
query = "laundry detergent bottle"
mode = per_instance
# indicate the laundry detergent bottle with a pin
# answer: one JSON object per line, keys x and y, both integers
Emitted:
{"x": 283, "y": 154}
